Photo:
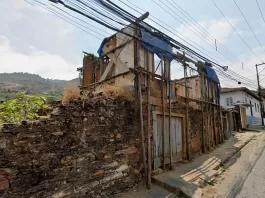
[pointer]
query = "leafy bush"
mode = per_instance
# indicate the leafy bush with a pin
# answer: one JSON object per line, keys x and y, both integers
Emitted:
{"x": 23, "y": 107}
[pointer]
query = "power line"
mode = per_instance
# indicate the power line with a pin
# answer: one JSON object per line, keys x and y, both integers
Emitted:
{"x": 67, "y": 20}
{"x": 190, "y": 28}
{"x": 107, "y": 25}
{"x": 181, "y": 10}
{"x": 147, "y": 27}
{"x": 201, "y": 34}
{"x": 235, "y": 30}
{"x": 234, "y": 73}
{"x": 184, "y": 25}
{"x": 249, "y": 25}
{"x": 260, "y": 11}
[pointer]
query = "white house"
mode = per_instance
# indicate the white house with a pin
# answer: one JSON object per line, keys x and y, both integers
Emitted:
{"x": 248, "y": 102}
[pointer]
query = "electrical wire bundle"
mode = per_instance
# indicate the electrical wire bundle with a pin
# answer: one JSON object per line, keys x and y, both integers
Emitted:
{"x": 114, "y": 17}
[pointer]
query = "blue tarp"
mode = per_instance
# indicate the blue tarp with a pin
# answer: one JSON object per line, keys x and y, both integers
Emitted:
{"x": 210, "y": 73}
{"x": 100, "y": 47}
{"x": 158, "y": 46}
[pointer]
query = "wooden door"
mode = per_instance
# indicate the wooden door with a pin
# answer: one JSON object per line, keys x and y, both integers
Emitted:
{"x": 176, "y": 129}
{"x": 244, "y": 117}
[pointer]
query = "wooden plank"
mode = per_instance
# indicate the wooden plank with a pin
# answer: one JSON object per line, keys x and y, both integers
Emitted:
{"x": 142, "y": 124}
{"x": 155, "y": 140}
{"x": 148, "y": 129}
{"x": 163, "y": 120}
{"x": 187, "y": 109}
{"x": 169, "y": 101}
{"x": 202, "y": 109}
{"x": 107, "y": 70}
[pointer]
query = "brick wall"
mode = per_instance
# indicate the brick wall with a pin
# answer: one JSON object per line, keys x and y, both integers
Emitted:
{"x": 89, "y": 66}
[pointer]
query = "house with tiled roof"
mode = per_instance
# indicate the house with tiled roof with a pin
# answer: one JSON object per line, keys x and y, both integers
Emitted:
{"x": 247, "y": 101}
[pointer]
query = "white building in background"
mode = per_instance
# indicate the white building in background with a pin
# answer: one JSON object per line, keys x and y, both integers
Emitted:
{"x": 248, "y": 102}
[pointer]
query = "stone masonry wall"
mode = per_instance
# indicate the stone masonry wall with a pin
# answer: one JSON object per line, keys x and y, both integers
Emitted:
{"x": 195, "y": 128}
{"x": 89, "y": 148}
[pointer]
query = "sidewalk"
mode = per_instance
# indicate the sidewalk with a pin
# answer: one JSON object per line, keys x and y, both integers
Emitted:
{"x": 189, "y": 179}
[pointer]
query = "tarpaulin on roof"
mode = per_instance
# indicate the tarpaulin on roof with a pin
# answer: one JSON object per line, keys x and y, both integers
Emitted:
{"x": 210, "y": 73}
{"x": 101, "y": 47}
{"x": 156, "y": 45}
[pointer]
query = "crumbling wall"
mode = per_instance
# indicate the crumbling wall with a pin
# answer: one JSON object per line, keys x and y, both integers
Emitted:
{"x": 88, "y": 148}
{"x": 195, "y": 132}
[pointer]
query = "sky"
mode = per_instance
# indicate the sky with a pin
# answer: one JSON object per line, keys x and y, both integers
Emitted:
{"x": 36, "y": 41}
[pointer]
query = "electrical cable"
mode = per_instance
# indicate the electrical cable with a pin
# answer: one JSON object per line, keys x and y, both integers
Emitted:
{"x": 172, "y": 32}
{"x": 130, "y": 35}
{"x": 260, "y": 11}
{"x": 249, "y": 25}
{"x": 236, "y": 31}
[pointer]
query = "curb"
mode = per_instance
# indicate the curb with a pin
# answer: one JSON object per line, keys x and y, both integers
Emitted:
{"x": 236, "y": 151}
{"x": 181, "y": 192}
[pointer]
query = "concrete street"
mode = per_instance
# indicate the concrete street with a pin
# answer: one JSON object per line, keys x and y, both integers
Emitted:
{"x": 254, "y": 184}
{"x": 244, "y": 174}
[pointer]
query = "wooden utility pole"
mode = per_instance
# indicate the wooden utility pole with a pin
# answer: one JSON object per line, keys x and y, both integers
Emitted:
{"x": 259, "y": 93}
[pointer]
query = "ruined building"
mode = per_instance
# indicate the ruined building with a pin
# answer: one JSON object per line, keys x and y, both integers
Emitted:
{"x": 100, "y": 145}
{"x": 180, "y": 118}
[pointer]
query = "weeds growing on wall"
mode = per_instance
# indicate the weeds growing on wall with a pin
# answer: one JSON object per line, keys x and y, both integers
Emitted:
{"x": 114, "y": 91}
{"x": 70, "y": 94}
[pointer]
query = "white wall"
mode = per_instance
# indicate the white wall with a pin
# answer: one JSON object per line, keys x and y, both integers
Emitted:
{"x": 240, "y": 96}
{"x": 237, "y": 96}
{"x": 256, "y": 111}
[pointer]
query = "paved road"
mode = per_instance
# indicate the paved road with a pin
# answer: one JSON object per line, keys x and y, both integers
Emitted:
{"x": 253, "y": 186}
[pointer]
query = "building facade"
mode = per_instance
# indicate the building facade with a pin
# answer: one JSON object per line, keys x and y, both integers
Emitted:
{"x": 248, "y": 102}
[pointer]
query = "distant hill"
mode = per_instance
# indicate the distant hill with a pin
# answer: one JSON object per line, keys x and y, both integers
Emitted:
{"x": 11, "y": 83}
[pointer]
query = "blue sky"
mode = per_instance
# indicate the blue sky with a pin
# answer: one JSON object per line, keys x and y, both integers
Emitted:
{"x": 36, "y": 41}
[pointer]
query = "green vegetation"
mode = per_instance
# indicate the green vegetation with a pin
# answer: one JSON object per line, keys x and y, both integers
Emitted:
{"x": 22, "y": 107}
{"x": 12, "y": 83}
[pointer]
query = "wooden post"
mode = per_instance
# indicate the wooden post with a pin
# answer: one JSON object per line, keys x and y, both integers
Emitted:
{"x": 187, "y": 108}
{"x": 101, "y": 66}
{"x": 202, "y": 109}
{"x": 138, "y": 80}
{"x": 141, "y": 122}
{"x": 169, "y": 102}
{"x": 222, "y": 127}
{"x": 163, "y": 120}
{"x": 208, "y": 115}
{"x": 148, "y": 124}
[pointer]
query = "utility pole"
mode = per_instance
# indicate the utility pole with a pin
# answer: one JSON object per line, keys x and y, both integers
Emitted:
{"x": 259, "y": 93}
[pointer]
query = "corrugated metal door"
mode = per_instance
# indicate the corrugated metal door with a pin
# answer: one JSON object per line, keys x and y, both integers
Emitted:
{"x": 176, "y": 127}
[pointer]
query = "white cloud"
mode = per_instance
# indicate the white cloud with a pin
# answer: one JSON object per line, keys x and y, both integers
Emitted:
{"x": 27, "y": 25}
{"x": 38, "y": 62}
{"x": 219, "y": 29}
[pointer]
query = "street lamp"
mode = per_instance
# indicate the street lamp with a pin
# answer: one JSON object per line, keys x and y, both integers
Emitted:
{"x": 259, "y": 93}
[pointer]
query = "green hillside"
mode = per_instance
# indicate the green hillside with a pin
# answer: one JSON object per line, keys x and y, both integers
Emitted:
{"x": 12, "y": 83}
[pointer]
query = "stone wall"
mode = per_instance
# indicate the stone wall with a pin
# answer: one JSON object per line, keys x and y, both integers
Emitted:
{"x": 195, "y": 132}
{"x": 212, "y": 129}
{"x": 88, "y": 148}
